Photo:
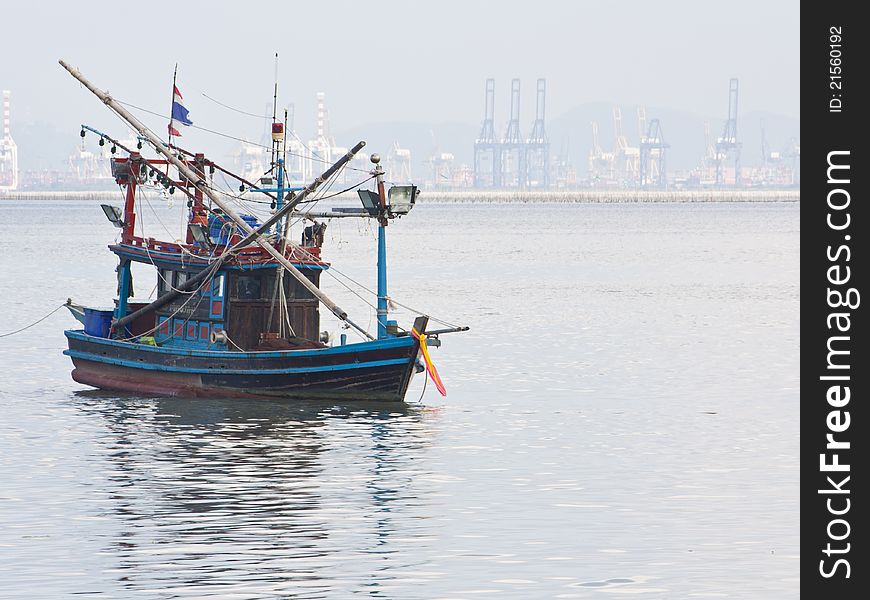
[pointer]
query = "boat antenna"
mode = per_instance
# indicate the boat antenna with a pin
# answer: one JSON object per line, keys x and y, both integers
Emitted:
{"x": 286, "y": 229}
{"x": 200, "y": 183}
{"x": 275, "y": 110}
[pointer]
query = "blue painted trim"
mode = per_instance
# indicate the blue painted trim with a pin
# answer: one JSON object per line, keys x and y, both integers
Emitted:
{"x": 289, "y": 188}
{"x": 173, "y": 343}
{"x": 123, "y": 288}
{"x": 382, "y": 282}
{"x": 394, "y": 342}
{"x": 288, "y": 371}
{"x": 279, "y": 202}
{"x": 275, "y": 265}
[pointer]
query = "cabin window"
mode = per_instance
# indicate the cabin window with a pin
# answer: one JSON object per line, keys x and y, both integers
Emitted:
{"x": 262, "y": 285}
{"x": 179, "y": 279}
{"x": 164, "y": 281}
{"x": 301, "y": 291}
{"x": 248, "y": 287}
{"x": 295, "y": 290}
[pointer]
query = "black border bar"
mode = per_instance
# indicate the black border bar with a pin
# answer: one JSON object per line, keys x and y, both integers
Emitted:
{"x": 834, "y": 226}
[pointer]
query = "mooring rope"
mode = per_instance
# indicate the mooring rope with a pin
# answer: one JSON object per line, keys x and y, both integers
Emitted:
{"x": 2, "y": 335}
{"x": 425, "y": 381}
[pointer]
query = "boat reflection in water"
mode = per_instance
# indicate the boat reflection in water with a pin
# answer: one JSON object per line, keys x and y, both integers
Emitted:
{"x": 228, "y": 496}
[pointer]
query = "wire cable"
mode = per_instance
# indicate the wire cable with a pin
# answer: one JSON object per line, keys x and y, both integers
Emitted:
{"x": 425, "y": 381}
{"x": 232, "y": 137}
{"x": 32, "y": 324}
{"x": 242, "y": 112}
{"x": 266, "y": 118}
{"x": 313, "y": 201}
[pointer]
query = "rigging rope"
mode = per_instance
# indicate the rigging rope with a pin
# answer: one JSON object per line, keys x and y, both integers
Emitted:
{"x": 313, "y": 200}
{"x": 425, "y": 381}
{"x": 238, "y": 139}
{"x": 334, "y": 273}
{"x": 32, "y": 324}
{"x": 264, "y": 117}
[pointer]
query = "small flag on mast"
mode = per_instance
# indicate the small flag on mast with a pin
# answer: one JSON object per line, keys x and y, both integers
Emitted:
{"x": 179, "y": 113}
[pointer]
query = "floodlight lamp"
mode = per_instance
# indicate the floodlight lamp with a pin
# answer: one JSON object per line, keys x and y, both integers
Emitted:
{"x": 113, "y": 213}
{"x": 401, "y": 199}
{"x": 199, "y": 232}
{"x": 370, "y": 201}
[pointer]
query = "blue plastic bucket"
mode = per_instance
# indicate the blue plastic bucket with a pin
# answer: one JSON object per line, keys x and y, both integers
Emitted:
{"x": 250, "y": 220}
{"x": 221, "y": 227}
{"x": 98, "y": 322}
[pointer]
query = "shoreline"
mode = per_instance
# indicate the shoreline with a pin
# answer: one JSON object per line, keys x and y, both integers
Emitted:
{"x": 505, "y": 196}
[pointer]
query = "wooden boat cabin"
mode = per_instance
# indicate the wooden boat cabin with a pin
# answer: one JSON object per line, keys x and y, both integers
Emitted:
{"x": 244, "y": 301}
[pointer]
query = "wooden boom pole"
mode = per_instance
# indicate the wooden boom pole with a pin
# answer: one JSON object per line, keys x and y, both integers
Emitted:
{"x": 200, "y": 184}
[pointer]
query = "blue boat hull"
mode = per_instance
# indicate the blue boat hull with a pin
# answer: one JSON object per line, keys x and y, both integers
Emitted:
{"x": 378, "y": 370}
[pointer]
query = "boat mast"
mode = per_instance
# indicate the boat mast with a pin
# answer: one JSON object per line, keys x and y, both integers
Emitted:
{"x": 197, "y": 209}
{"x": 133, "y": 166}
{"x": 382, "y": 248}
{"x": 199, "y": 183}
{"x": 283, "y": 313}
{"x": 125, "y": 276}
{"x": 277, "y": 148}
{"x": 275, "y": 112}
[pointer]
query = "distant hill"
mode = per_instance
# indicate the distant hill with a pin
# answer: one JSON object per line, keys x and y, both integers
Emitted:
{"x": 683, "y": 130}
{"x": 44, "y": 146}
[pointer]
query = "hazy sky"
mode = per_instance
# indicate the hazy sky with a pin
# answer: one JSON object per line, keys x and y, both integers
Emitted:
{"x": 392, "y": 60}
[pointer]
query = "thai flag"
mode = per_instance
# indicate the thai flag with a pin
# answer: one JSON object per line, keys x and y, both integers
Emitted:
{"x": 179, "y": 113}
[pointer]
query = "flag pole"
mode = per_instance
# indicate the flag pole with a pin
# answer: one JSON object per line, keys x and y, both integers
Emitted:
{"x": 171, "y": 104}
{"x": 172, "y": 100}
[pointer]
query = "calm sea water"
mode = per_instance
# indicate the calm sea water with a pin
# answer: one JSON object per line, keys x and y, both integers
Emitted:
{"x": 621, "y": 419}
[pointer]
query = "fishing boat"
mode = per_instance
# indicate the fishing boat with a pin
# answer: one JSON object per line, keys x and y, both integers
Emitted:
{"x": 237, "y": 307}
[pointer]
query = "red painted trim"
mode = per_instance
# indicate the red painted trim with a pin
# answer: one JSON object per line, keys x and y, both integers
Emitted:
{"x": 249, "y": 256}
{"x": 130, "y": 201}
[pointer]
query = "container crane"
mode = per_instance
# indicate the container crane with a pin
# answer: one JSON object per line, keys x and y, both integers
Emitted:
{"x": 652, "y": 156}
{"x": 537, "y": 144}
{"x": 513, "y": 150}
{"x": 487, "y": 150}
{"x": 727, "y": 145}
